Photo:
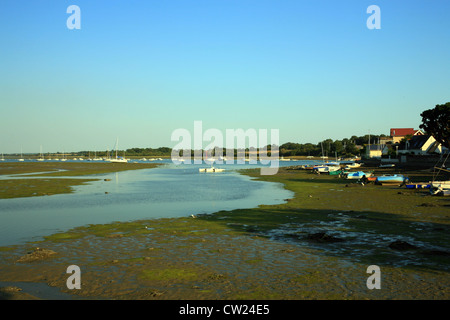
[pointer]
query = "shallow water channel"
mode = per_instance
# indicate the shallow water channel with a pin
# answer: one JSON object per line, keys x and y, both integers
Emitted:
{"x": 164, "y": 192}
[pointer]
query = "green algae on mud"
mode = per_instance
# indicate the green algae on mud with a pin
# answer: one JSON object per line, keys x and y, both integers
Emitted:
{"x": 29, "y": 187}
{"x": 69, "y": 168}
{"x": 19, "y": 188}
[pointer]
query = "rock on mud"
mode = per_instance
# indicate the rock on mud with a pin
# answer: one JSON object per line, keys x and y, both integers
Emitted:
{"x": 37, "y": 254}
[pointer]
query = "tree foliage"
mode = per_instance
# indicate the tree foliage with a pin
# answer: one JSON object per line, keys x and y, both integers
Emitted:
{"x": 436, "y": 122}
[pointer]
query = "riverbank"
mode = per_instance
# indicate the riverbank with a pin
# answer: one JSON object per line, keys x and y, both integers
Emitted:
{"x": 31, "y": 182}
{"x": 318, "y": 245}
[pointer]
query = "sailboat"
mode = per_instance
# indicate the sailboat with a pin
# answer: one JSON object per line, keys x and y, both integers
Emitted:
{"x": 442, "y": 187}
{"x": 41, "y": 157}
{"x": 96, "y": 158}
{"x": 118, "y": 159}
{"x": 21, "y": 155}
{"x": 3, "y": 158}
{"x": 64, "y": 156}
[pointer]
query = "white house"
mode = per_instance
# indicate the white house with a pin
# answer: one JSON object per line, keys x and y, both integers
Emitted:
{"x": 374, "y": 151}
{"x": 422, "y": 145}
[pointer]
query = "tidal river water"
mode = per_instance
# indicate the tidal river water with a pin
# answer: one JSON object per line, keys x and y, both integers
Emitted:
{"x": 164, "y": 192}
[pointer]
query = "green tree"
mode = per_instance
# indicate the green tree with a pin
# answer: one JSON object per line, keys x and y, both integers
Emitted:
{"x": 436, "y": 122}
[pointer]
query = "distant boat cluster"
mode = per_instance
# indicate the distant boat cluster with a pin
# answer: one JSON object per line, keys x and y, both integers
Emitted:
{"x": 108, "y": 158}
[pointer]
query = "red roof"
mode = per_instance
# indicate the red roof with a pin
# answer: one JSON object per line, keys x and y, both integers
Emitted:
{"x": 402, "y": 132}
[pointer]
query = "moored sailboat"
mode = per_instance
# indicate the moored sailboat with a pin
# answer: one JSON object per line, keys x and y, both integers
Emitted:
{"x": 118, "y": 159}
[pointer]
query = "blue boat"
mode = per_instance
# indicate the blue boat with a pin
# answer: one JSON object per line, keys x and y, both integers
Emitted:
{"x": 418, "y": 185}
{"x": 393, "y": 179}
{"x": 358, "y": 175}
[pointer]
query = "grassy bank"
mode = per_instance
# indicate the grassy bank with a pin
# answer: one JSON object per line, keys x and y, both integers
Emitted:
{"x": 35, "y": 185}
{"x": 317, "y": 245}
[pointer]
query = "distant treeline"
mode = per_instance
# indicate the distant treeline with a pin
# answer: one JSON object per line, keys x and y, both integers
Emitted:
{"x": 144, "y": 152}
{"x": 346, "y": 147}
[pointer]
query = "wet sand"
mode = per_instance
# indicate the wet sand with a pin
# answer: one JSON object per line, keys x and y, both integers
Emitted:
{"x": 316, "y": 246}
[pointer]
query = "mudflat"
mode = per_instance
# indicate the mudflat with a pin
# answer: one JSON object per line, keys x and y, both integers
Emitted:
{"x": 317, "y": 245}
{"x": 34, "y": 184}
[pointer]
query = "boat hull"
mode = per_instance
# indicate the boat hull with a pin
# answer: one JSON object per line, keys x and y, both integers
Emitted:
{"x": 118, "y": 160}
{"x": 358, "y": 175}
{"x": 441, "y": 184}
{"x": 396, "y": 179}
{"x": 210, "y": 170}
{"x": 418, "y": 186}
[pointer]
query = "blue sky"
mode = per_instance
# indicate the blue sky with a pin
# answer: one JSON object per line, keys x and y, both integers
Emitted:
{"x": 138, "y": 70}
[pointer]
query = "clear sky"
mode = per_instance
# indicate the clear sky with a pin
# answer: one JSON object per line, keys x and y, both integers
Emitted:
{"x": 138, "y": 70}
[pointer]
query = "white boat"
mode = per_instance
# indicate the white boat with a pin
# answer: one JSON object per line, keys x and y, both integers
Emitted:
{"x": 441, "y": 188}
{"x": 3, "y": 158}
{"x": 41, "y": 157}
{"x": 327, "y": 167}
{"x": 440, "y": 184}
{"x": 212, "y": 169}
{"x": 118, "y": 159}
{"x": 353, "y": 165}
{"x": 283, "y": 159}
{"x": 21, "y": 155}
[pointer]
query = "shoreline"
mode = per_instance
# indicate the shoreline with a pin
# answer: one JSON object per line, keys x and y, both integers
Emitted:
{"x": 267, "y": 252}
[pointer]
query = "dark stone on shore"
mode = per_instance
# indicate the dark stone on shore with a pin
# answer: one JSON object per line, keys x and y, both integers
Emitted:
{"x": 323, "y": 237}
{"x": 401, "y": 245}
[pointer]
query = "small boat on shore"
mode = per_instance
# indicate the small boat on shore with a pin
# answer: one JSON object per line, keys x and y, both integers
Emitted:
{"x": 440, "y": 188}
{"x": 337, "y": 172}
{"x": 358, "y": 175}
{"x": 352, "y": 165}
{"x": 387, "y": 165}
{"x": 440, "y": 184}
{"x": 418, "y": 185}
{"x": 391, "y": 179}
{"x": 327, "y": 167}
